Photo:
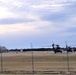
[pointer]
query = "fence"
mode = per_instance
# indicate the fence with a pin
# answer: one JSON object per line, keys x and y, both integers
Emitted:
{"x": 37, "y": 63}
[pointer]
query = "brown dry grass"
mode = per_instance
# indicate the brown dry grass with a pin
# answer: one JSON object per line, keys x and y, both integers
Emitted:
{"x": 43, "y": 61}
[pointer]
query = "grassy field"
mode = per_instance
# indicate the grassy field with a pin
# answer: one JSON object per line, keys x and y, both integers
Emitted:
{"x": 43, "y": 62}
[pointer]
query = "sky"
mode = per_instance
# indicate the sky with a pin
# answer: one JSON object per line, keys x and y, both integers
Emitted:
{"x": 40, "y": 22}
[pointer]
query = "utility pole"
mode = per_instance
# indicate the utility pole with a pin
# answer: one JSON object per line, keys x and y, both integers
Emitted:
{"x": 32, "y": 59}
{"x": 67, "y": 57}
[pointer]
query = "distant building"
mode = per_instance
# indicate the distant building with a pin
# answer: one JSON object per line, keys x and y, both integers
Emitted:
{"x": 3, "y": 49}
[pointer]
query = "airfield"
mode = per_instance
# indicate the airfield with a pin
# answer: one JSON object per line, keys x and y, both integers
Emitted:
{"x": 44, "y": 62}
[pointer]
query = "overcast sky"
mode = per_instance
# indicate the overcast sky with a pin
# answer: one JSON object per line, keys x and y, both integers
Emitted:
{"x": 40, "y": 22}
